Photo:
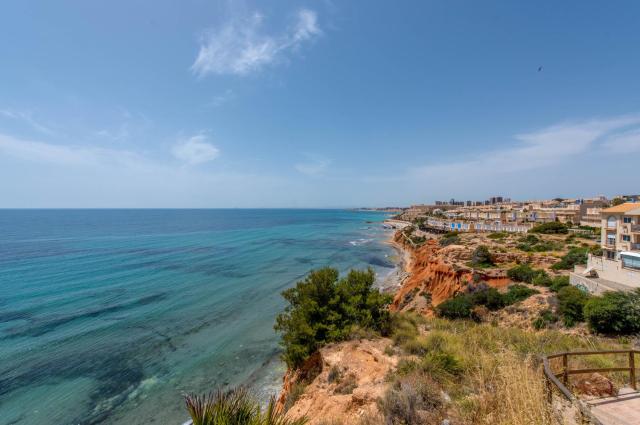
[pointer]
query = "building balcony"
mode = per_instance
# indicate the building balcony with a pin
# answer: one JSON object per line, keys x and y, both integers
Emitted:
{"x": 635, "y": 246}
{"x": 635, "y": 228}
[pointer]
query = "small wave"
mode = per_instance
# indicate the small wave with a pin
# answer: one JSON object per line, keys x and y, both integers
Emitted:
{"x": 359, "y": 242}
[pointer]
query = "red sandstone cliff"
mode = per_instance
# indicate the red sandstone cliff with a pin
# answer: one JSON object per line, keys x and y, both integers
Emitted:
{"x": 440, "y": 272}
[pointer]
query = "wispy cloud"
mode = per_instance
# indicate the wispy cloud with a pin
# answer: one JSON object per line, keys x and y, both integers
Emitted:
{"x": 66, "y": 175}
{"x": 27, "y": 118}
{"x": 627, "y": 142}
{"x": 222, "y": 98}
{"x": 315, "y": 165}
{"x": 50, "y": 153}
{"x": 195, "y": 150}
{"x": 241, "y": 46}
{"x": 545, "y": 147}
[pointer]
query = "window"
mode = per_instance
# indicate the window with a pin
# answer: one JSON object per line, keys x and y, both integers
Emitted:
{"x": 630, "y": 262}
{"x": 626, "y": 219}
{"x": 611, "y": 221}
{"x": 626, "y": 238}
{"x": 611, "y": 255}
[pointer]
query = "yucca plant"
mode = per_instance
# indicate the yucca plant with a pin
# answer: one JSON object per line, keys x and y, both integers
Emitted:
{"x": 234, "y": 407}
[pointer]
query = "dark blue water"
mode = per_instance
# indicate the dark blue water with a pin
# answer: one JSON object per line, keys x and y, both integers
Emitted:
{"x": 108, "y": 316}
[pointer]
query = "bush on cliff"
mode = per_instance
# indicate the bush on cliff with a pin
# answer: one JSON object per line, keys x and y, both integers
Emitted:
{"x": 614, "y": 313}
{"x": 571, "y": 258}
{"x": 571, "y": 301}
{"x": 558, "y": 283}
{"x": 462, "y": 306}
{"x": 550, "y": 228}
{"x": 524, "y": 273}
{"x": 449, "y": 238}
{"x": 458, "y": 307}
{"x": 482, "y": 257}
{"x": 324, "y": 308}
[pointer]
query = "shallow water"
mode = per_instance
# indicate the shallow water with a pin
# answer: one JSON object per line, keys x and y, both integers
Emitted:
{"x": 108, "y": 316}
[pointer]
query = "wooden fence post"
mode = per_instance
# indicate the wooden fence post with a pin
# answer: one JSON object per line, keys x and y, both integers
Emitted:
{"x": 632, "y": 370}
{"x": 565, "y": 371}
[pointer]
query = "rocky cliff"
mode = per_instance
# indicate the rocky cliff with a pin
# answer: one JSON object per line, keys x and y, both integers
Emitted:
{"x": 437, "y": 273}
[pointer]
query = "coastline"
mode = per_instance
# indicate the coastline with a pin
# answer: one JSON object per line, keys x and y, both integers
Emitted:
{"x": 394, "y": 280}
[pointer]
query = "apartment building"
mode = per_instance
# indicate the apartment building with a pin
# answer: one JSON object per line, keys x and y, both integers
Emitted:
{"x": 619, "y": 266}
{"x": 621, "y": 229}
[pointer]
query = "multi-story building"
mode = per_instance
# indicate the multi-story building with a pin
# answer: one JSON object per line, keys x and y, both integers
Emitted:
{"x": 621, "y": 229}
{"x": 619, "y": 266}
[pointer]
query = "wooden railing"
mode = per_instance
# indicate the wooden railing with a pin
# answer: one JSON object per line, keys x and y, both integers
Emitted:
{"x": 561, "y": 380}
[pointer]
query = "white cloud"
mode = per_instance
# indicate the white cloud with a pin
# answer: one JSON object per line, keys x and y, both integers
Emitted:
{"x": 241, "y": 46}
{"x": 534, "y": 150}
{"x": 56, "y": 175}
{"x": 627, "y": 142}
{"x": 64, "y": 154}
{"x": 195, "y": 150}
{"x": 27, "y": 117}
{"x": 315, "y": 166}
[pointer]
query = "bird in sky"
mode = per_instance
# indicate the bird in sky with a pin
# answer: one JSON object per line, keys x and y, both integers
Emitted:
{"x": 539, "y": 69}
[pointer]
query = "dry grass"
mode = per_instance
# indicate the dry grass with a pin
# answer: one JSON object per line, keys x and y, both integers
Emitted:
{"x": 499, "y": 380}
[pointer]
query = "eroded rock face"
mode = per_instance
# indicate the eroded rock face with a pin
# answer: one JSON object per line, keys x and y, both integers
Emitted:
{"x": 441, "y": 273}
{"x": 311, "y": 368}
{"x": 349, "y": 384}
{"x": 595, "y": 385}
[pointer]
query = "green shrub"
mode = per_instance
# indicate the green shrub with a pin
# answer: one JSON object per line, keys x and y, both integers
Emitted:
{"x": 577, "y": 255}
{"x": 523, "y": 273}
{"x": 497, "y": 235}
{"x": 462, "y": 305}
{"x": 441, "y": 364}
{"x": 544, "y": 319}
{"x": 541, "y": 279}
{"x": 517, "y": 293}
{"x": 323, "y": 308}
{"x": 481, "y": 257}
{"x": 532, "y": 243}
{"x": 489, "y": 297}
{"x": 334, "y": 374}
{"x": 550, "y": 228}
{"x": 418, "y": 346}
{"x": 458, "y": 307}
{"x": 404, "y": 327}
{"x": 529, "y": 239}
{"x": 596, "y": 250}
{"x": 571, "y": 301}
{"x": 559, "y": 282}
{"x": 614, "y": 313}
{"x": 449, "y": 238}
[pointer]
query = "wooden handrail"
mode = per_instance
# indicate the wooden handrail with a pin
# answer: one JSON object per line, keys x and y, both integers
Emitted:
{"x": 553, "y": 378}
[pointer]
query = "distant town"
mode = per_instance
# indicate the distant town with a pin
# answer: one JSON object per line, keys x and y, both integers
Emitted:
{"x": 614, "y": 222}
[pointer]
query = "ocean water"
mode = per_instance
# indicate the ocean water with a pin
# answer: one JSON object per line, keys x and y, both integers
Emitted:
{"x": 109, "y": 316}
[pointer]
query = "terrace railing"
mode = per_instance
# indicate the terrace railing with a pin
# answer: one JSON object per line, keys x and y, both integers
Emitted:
{"x": 560, "y": 380}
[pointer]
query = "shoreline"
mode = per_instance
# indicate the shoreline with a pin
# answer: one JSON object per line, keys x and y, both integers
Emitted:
{"x": 394, "y": 280}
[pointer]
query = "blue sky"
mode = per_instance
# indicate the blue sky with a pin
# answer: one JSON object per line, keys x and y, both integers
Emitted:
{"x": 315, "y": 104}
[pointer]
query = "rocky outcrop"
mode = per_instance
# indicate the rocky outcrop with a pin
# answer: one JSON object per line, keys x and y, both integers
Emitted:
{"x": 311, "y": 368}
{"x": 350, "y": 382}
{"x": 438, "y": 273}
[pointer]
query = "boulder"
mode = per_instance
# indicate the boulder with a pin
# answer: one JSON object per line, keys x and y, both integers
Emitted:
{"x": 596, "y": 385}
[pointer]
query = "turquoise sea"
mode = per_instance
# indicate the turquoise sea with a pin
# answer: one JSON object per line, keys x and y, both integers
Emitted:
{"x": 109, "y": 316}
